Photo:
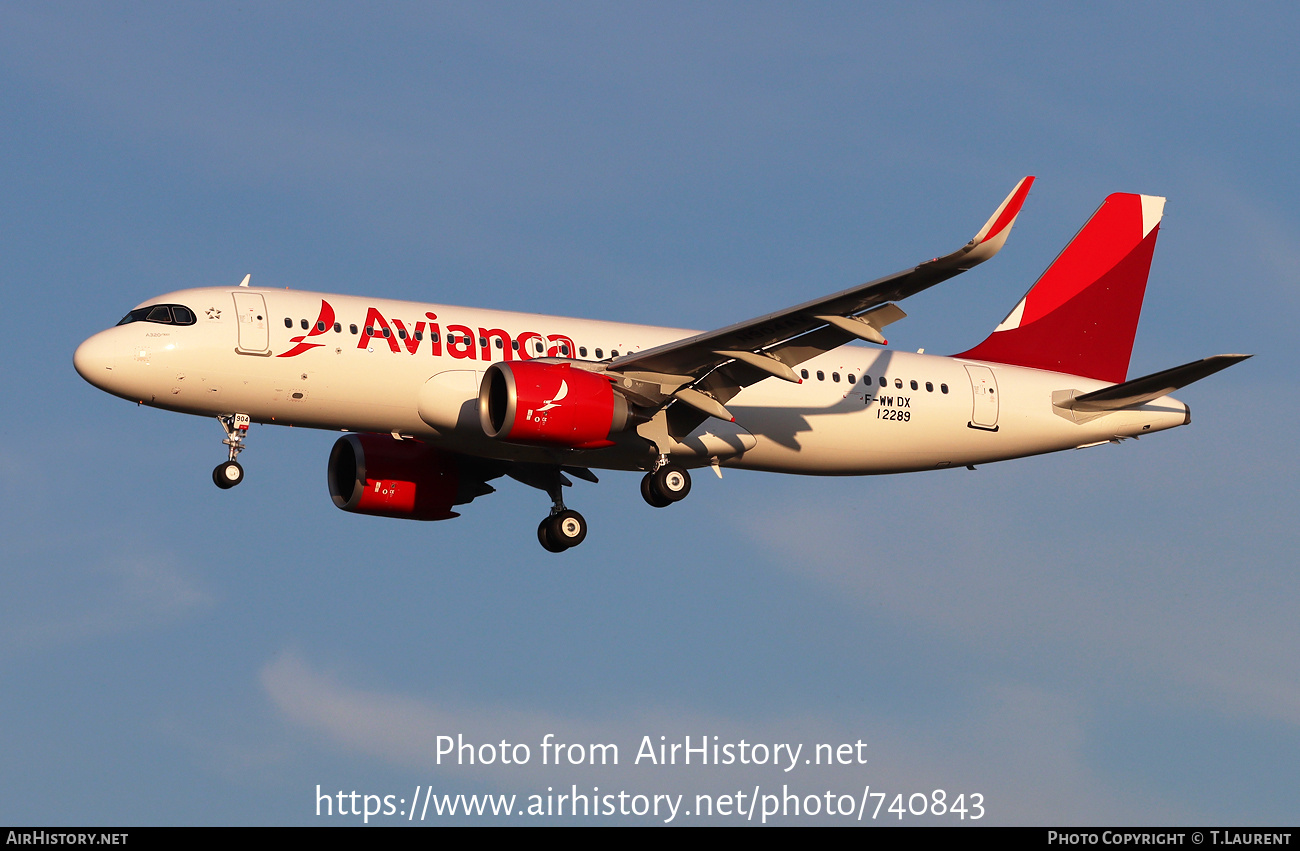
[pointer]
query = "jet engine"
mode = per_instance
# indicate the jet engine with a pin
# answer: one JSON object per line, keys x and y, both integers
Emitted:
{"x": 554, "y": 404}
{"x": 375, "y": 474}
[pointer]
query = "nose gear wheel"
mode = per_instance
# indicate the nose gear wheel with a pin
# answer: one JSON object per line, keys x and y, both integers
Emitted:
{"x": 227, "y": 474}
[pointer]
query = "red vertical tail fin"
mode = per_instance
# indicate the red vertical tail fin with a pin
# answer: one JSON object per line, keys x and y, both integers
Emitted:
{"x": 1081, "y": 316}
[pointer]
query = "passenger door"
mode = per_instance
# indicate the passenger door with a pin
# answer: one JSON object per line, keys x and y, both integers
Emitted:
{"x": 984, "y": 389}
{"x": 254, "y": 329}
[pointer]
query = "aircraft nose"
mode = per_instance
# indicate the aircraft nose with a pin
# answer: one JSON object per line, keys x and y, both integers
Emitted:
{"x": 94, "y": 360}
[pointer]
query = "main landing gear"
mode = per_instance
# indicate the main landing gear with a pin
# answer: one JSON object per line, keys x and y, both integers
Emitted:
{"x": 666, "y": 484}
{"x": 564, "y": 528}
{"x": 228, "y": 473}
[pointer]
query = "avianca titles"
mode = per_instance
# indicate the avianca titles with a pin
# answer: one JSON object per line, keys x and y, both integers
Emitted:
{"x": 437, "y": 401}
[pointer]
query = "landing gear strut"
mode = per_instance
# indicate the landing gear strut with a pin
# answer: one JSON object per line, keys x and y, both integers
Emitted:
{"x": 564, "y": 528}
{"x": 229, "y": 473}
{"x": 666, "y": 484}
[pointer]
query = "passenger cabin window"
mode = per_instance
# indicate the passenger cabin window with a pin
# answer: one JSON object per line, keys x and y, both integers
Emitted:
{"x": 600, "y": 353}
{"x": 304, "y": 324}
{"x": 853, "y": 379}
{"x": 161, "y": 314}
{"x": 582, "y": 351}
{"x": 803, "y": 373}
{"x": 835, "y": 376}
{"x": 914, "y": 385}
{"x": 352, "y": 328}
{"x": 929, "y": 387}
{"x": 884, "y": 382}
{"x": 898, "y": 384}
{"x": 943, "y": 388}
{"x": 288, "y": 323}
{"x": 338, "y": 328}
{"x": 821, "y": 376}
{"x": 320, "y": 327}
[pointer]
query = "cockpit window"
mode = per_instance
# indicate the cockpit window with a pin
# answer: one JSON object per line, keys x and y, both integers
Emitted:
{"x": 163, "y": 314}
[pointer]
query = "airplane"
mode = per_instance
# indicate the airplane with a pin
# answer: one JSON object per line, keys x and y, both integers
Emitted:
{"x": 436, "y": 400}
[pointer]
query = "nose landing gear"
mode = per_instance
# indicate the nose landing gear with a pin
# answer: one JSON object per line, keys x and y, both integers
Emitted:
{"x": 229, "y": 473}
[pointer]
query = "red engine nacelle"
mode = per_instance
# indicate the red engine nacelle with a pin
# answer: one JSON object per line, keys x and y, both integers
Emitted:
{"x": 375, "y": 474}
{"x": 550, "y": 403}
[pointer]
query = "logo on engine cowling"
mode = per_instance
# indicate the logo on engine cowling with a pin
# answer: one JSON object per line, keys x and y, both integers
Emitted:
{"x": 538, "y": 414}
{"x": 553, "y": 403}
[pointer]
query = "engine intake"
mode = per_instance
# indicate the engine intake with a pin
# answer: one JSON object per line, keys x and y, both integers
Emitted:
{"x": 554, "y": 404}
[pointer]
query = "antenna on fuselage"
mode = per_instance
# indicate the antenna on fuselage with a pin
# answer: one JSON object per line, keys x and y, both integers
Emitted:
{"x": 247, "y": 278}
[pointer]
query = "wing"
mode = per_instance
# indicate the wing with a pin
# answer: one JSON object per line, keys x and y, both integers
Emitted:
{"x": 708, "y": 369}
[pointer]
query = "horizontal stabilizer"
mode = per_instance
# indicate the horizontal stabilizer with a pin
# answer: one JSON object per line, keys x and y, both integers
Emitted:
{"x": 1139, "y": 391}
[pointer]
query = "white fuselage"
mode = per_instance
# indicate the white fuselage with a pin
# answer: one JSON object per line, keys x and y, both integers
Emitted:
{"x": 422, "y": 377}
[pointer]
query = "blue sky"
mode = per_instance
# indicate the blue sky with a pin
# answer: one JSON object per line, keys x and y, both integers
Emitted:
{"x": 1101, "y": 636}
